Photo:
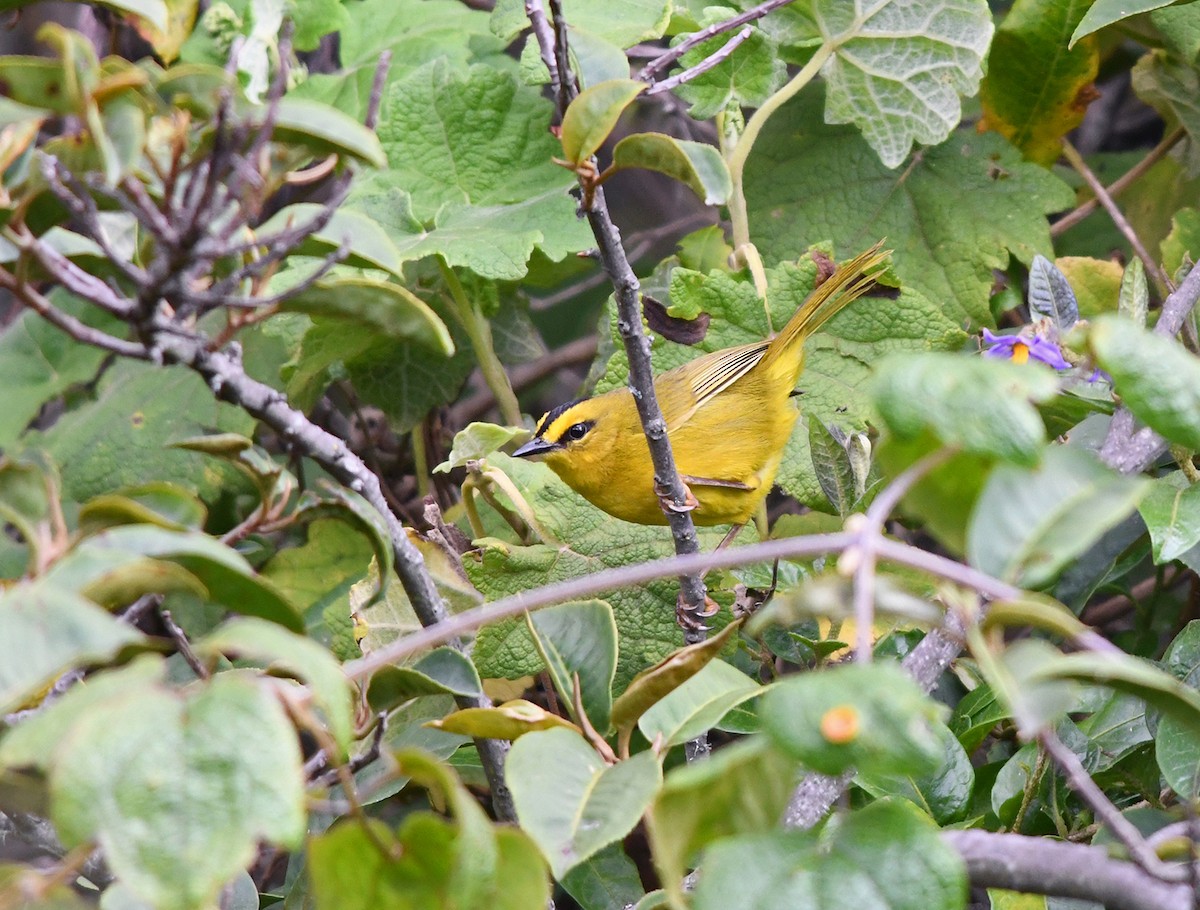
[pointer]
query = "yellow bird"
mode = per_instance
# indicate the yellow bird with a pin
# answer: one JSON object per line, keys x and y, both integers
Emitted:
{"x": 729, "y": 415}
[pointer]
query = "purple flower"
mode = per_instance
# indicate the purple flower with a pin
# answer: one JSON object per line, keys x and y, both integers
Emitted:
{"x": 1020, "y": 349}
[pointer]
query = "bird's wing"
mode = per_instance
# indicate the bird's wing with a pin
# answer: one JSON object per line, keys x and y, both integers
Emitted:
{"x": 704, "y": 378}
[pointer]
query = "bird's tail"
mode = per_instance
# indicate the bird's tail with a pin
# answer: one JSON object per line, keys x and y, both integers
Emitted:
{"x": 850, "y": 281}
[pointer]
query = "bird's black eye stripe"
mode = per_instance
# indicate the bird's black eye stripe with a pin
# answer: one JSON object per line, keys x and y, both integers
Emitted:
{"x": 577, "y": 431}
{"x": 553, "y": 415}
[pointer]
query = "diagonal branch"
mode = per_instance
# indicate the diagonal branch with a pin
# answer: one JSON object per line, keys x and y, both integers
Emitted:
{"x": 651, "y": 70}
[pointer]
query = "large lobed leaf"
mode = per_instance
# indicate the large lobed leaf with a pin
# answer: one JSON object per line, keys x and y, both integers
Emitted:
{"x": 807, "y": 182}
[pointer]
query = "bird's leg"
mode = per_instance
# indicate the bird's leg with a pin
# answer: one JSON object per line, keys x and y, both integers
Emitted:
{"x": 663, "y": 492}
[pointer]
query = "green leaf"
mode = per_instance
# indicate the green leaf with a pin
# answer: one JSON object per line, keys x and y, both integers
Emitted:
{"x": 1183, "y": 656}
{"x": 1105, "y": 12}
{"x": 976, "y": 715}
{"x": 39, "y": 362}
{"x": 741, "y": 789}
{"x": 579, "y": 640}
{"x": 365, "y": 240}
{"x": 975, "y": 404}
{"x": 324, "y": 130}
{"x": 1031, "y": 94}
{"x": 164, "y": 504}
{"x": 1179, "y": 27}
{"x": 349, "y": 871}
{"x": 1117, "y": 729}
{"x": 349, "y": 506}
{"x": 46, "y": 630}
{"x": 121, "y": 438}
{"x": 831, "y": 462}
{"x": 697, "y": 165}
{"x": 1036, "y": 610}
{"x": 474, "y": 139}
{"x": 510, "y": 720}
{"x": 807, "y": 180}
{"x": 225, "y": 757}
{"x": 414, "y": 32}
{"x": 591, "y": 117}
{"x": 475, "y": 855}
{"x": 883, "y": 857}
{"x": 698, "y": 704}
{"x": 1156, "y": 378}
{"x": 316, "y": 577}
{"x": 380, "y": 305}
{"x": 1171, "y": 511}
{"x": 443, "y": 671}
{"x": 1028, "y": 524}
{"x": 476, "y": 441}
{"x": 1134, "y": 299}
{"x": 868, "y": 717}
{"x": 492, "y": 240}
{"x": 1133, "y": 675}
{"x": 119, "y": 564}
{"x": 280, "y": 650}
{"x": 650, "y": 686}
{"x": 605, "y": 880}
{"x": 1176, "y": 745}
{"x": 873, "y": 82}
{"x": 37, "y": 740}
{"x": 569, "y": 801}
{"x": 943, "y": 793}
{"x": 1172, "y": 87}
{"x": 1181, "y": 247}
{"x": 1050, "y": 294}
{"x": 645, "y": 615}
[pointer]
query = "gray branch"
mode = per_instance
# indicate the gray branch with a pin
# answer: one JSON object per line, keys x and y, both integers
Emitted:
{"x": 1038, "y": 865}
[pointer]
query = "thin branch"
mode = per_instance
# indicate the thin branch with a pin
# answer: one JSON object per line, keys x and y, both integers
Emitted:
{"x": 1123, "y": 829}
{"x": 33, "y": 299}
{"x": 704, "y": 65}
{"x": 871, "y": 531}
{"x": 183, "y": 645}
{"x": 1038, "y": 865}
{"x": 1118, "y": 186}
{"x": 590, "y": 585}
{"x": 378, "y": 84}
{"x": 1152, "y": 267}
{"x": 544, "y": 35}
{"x": 660, "y": 63}
{"x": 79, "y": 201}
{"x": 668, "y": 485}
{"x": 76, "y": 280}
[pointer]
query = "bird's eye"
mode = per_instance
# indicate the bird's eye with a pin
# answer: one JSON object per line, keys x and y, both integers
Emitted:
{"x": 577, "y": 431}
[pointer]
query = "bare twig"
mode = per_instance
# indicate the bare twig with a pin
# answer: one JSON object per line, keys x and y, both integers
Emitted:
{"x": 703, "y": 66}
{"x": 183, "y": 645}
{"x": 544, "y": 35}
{"x": 1152, "y": 267}
{"x": 1118, "y": 186}
{"x": 1123, "y": 829}
{"x": 33, "y": 299}
{"x": 864, "y": 556}
{"x": 660, "y": 63}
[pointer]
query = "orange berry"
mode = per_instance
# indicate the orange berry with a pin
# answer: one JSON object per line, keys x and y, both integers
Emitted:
{"x": 840, "y": 725}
